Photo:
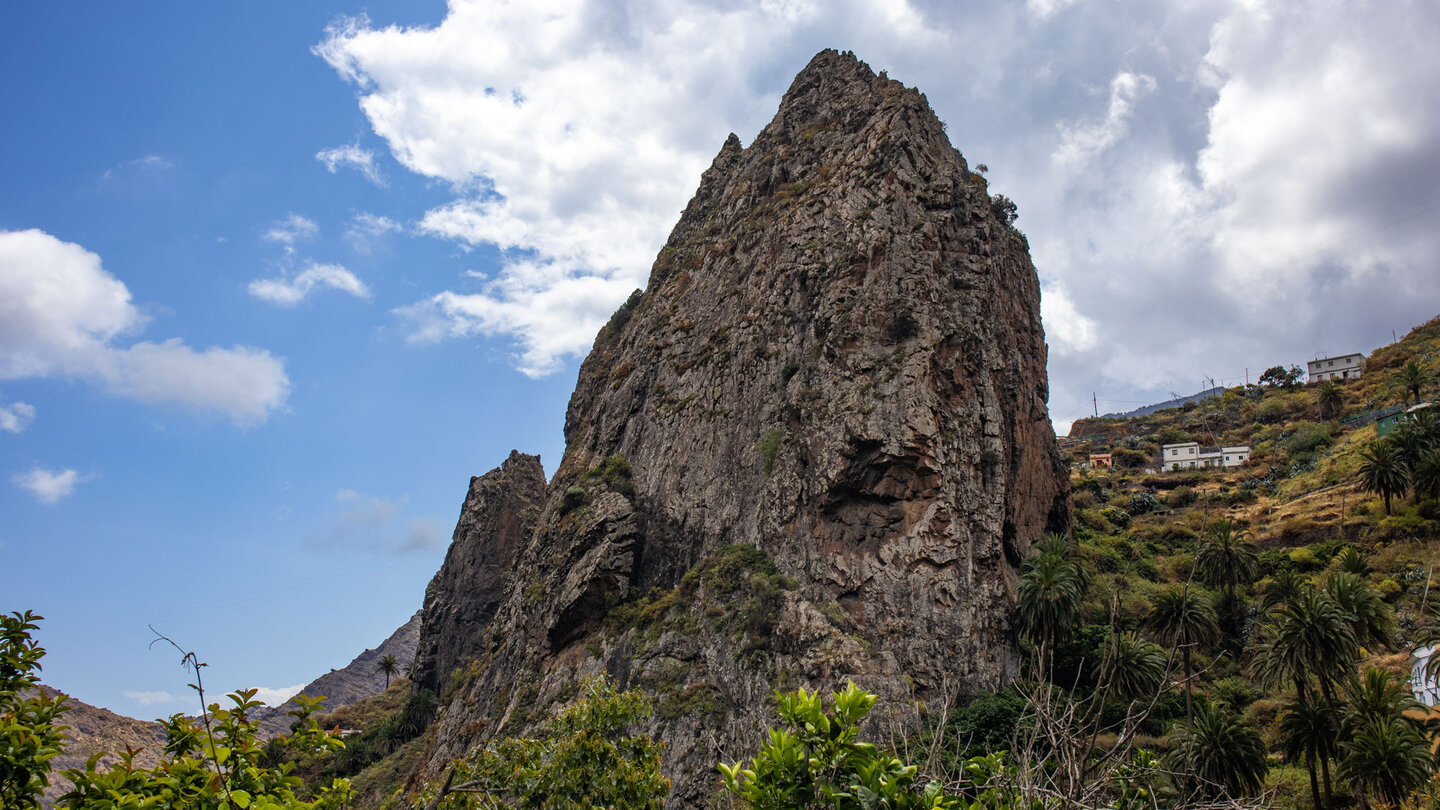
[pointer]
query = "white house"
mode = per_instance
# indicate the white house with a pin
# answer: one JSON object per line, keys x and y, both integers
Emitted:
{"x": 1425, "y": 687}
{"x": 1345, "y": 367}
{"x": 1191, "y": 454}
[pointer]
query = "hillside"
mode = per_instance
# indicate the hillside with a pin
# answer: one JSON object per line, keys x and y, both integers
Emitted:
{"x": 356, "y": 680}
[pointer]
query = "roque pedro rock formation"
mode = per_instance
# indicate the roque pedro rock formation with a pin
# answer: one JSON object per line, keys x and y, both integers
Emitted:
{"x": 815, "y": 448}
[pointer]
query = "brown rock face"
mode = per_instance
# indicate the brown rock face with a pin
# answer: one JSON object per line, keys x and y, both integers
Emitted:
{"x": 838, "y": 361}
{"x": 495, "y": 523}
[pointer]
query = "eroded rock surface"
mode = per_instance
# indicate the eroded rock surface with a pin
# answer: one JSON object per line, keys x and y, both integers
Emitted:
{"x": 814, "y": 449}
{"x": 495, "y": 523}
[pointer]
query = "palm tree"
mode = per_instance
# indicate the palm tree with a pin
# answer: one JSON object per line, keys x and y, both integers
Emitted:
{"x": 1425, "y": 474}
{"x": 1219, "y": 753}
{"x": 1330, "y": 396}
{"x": 1134, "y": 666}
{"x": 1185, "y": 618}
{"x": 1226, "y": 558}
{"x": 1383, "y": 471}
{"x": 1308, "y": 731}
{"x": 1376, "y": 695}
{"x": 1386, "y": 759}
{"x": 1285, "y": 586}
{"x": 388, "y": 665}
{"x": 1371, "y": 620}
{"x": 1411, "y": 380}
{"x": 1353, "y": 562}
{"x": 1049, "y": 594}
{"x": 1308, "y": 637}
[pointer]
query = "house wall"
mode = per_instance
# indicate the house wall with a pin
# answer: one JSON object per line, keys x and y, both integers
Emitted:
{"x": 1345, "y": 367}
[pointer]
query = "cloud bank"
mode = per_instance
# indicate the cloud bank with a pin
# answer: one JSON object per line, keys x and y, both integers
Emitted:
{"x": 1207, "y": 186}
{"x": 63, "y": 315}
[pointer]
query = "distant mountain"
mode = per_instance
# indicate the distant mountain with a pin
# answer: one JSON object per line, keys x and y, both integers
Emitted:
{"x": 356, "y": 680}
{"x": 95, "y": 729}
{"x": 1169, "y": 403}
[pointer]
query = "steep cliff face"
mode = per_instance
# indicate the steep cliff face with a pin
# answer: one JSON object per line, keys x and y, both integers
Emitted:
{"x": 815, "y": 448}
{"x": 495, "y": 523}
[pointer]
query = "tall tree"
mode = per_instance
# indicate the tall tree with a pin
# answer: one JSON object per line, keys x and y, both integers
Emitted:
{"x": 1220, "y": 754}
{"x": 1308, "y": 732}
{"x": 1285, "y": 586}
{"x": 1371, "y": 619}
{"x": 1049, "y": 594}
{"x": 1426, "y": 475}
{"x": 388, "y": 665}
{"x": 1133, "y": 666}
{"x": 1330, "y": 396}
{"x": 1225, "y": 557}
{"x": 1309, "y": 637}
{"x": 1383, "y": 471}
{"x": 1185, "y": 619}
{"x": 1386, "y": 760}
{"x": 1411, "y": 380}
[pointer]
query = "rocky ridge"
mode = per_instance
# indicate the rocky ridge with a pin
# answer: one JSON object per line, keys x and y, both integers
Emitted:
{"x": 815, "y": 448}
{"x": 354, "y": 681}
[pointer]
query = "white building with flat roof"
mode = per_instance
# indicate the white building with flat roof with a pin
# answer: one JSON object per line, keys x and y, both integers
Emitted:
{"x": 1191, "y": 454}
{"x": 1344, "y": 367}
{"x": 1422, "y": 683}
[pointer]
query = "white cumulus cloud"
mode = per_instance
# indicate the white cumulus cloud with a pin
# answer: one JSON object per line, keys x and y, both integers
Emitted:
{"x": 16, "y": 416}
{"x": 352, "y": 156}
{"x": 290, "y": 230}
{"x": 1206, "y": 186}
{"x": 289, "y": 292}
{"x": 62, "y": 314}
{"x": 151, "y": 698}
{"x": 573, "y": 133}
{"x": 276, "y": 696}
{"x": 48, "y": 486}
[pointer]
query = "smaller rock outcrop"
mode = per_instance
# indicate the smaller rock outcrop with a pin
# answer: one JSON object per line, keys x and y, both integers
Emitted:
{"x": 496, "y": 521}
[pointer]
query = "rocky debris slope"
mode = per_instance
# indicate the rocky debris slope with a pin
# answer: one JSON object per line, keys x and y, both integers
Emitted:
{"x": 93, "y": 729}
{"x": 814, "y": 449}
{"x": 356, "y": 680}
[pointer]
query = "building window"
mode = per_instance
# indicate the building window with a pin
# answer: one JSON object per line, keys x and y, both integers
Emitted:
{"x": 1192, "y": 451}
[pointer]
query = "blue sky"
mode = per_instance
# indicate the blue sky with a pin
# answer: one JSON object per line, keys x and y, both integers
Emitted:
{"x": 277, "y": 278}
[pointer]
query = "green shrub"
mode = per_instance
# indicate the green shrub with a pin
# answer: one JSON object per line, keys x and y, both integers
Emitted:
{"x": 1181, "y": 497}
{"x": 769, "y": 446}
{"x": 585, "y": 757}
{"x": 30, "y": 732}
{"x": 574, "y": 498}
{"x": 1116, "y": 516}
{"x": 784, "y": 774}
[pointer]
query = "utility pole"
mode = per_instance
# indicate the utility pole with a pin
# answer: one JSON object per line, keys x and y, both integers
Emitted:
{"x": 1095, "y": 403}
{"x": 1247, "y": 376}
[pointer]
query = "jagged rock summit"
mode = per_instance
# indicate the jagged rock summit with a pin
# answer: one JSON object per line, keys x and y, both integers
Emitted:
{"x": 815, "y": 448}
